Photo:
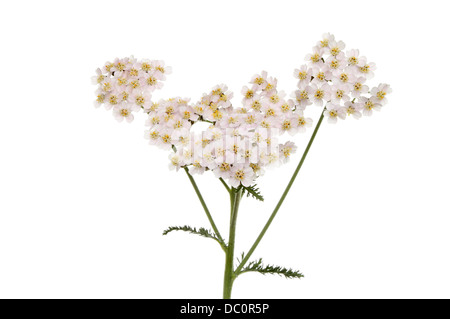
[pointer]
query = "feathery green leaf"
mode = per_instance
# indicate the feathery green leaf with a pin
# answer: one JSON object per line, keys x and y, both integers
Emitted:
{"x": 254, "y": 192}
{"x": 258, "y": 266}
{"x": 201, "y": 232}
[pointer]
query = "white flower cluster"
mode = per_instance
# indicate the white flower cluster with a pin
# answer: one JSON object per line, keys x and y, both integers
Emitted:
{"x": 338, "y": 79}
{"x": 241, "y": 142}
{"x": 126, "y": 85}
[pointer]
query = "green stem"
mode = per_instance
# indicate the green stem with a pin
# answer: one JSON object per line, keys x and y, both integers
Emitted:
{"x": 280, "y": 202}
{"x": 225, "y": 184}
{"x": 208, "y": 214}
{"x": 229, "y": 276}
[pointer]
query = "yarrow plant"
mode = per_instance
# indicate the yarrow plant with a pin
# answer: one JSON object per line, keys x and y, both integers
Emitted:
{"x": 241, "y": 142}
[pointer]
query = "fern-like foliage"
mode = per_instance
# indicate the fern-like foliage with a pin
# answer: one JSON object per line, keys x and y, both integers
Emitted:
{"x": 201, "y": 232}
{"x": 253, "y": 191}
{"x": 258, "y": 266}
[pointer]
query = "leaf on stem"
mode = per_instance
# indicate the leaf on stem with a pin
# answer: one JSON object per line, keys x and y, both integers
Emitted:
{"x": 201, "y": 232}
{"x": 254, "y": 192}
{"x": 258, "y": 266}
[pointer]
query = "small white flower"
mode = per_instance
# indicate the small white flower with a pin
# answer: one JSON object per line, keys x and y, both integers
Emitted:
{"x": 270, "y": 85}
{"x": 112, "y": 100}
{"x": 326, "y": 39}
{"x": 319, "y": 94}
{"x": 379, "y": 93}
{"x": 316, "y": 57}
{"x": 241, "y": 174}
{"x": 353, "y": 109}
{"x": 359, "y": 87}
{"x": 259, "y": 79}
{"x": 333, "y": 112}
{"x": 303, "y": 74}
{"x": 99, "y": 77}
{"x": 321, "y": 75}
{"x": 123, "y": 111}
{"x": 141, "y": 99}
{"x": 354, "y": 59}
{"x": 165, "y": 141}
{"x": 302, "y": 96}
{"x": 367, "y": 69}
{"x": 152, "y": 135}
{"x": 175, "y": 161}
{"x": 249, "y": 94}
{"x": 160, "y": 67}
{"x": 335, "y": 48}
{"x": 345, "y": 76}
{"x": 369, "y": 105}
{"x": 286, "y": 150}
{"x": 339, "y": 93}
{"x": 289, "y": 124}
{"x": 301, "y": 122}
{"x": 152, "y": 80}
{"x": 338, "y": 62}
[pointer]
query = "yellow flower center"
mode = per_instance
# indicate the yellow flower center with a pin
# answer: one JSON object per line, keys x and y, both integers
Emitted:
{"x": 335, "y": 51}
{"x": 256, "y": 105}
{"x": 353, "y": 60}
{"x": 151, "y": 80}
{"x": 187, "y": 115}
{"x": 365, "y": 69}
{"x": 134, "y": 72}
{"x": 239, "y": 175}
{"x": 333, "y": 113}
{"x": 166, "y": 138}
{"x": 334, "y": 64}
{"x": 303, "y": 95}
{"x": 381, "y": 95}
{"x": 368, "y": 105}
{"x": 319, "y": 94}
{"x": 146, "y": 67}
{"x": 286, "y": 125}
{"x": 113, "y": 100}
{"x": 270, "y": 112}
{"x": 120, "y": 66}
{"x": 315, "y": 57}
{"x": 250, "y": 119}
{"x": 302, "y": 75}
{"x": 249, "y": 94}
{"x": 160, "y": 69}
{"x": 140, "y": 100}
{"x": 350, "y": 110}
{"x": 274, "y": 99}
{"x": 100, "y": 98}
{"x": 321, "y": 76}
{"x": 287, "y": 151}
{"x": 154, "y": 135}
{"x": 259, "y": 80}
{"x": 135, "y": 84}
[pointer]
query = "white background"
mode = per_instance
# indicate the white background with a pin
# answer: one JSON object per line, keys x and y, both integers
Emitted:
{"x": 84, "y": 200}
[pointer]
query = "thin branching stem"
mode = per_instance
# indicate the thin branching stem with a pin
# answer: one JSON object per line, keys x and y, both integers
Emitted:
{"x": 208, "y": 214}
{"x": 225, "y": 184}
{"x": 280, "y": 202}
{"x": 229, "y": 275}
